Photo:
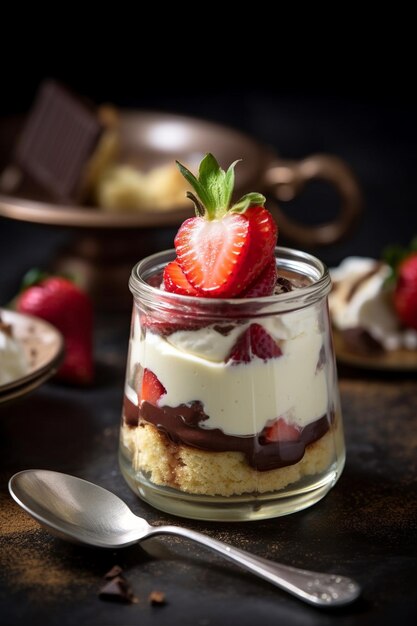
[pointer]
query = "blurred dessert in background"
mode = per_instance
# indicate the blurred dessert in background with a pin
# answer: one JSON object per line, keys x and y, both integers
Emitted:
{"x": 126, "y": 188}
{"x": 364, "y": 306}
{"x": 13, "y": 362}
{"x": 71, "y": 150}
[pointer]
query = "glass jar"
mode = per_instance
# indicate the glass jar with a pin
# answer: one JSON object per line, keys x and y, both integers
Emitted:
{"x": 231, "y": 409}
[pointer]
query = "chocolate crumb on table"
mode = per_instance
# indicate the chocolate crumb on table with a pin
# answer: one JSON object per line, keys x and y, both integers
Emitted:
{"x": 118, "y": 590}
{"x": 157, "y": 598}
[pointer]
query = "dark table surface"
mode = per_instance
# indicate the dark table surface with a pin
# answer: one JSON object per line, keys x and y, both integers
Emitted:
{"x": 364, "y": 528}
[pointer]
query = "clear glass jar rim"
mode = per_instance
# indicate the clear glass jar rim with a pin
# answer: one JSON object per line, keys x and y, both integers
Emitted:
{"x": 287, "y": 258}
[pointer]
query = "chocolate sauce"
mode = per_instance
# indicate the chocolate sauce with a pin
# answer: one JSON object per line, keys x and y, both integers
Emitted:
{"x": 183, "y": 425}
{"x": 130, "y": 412}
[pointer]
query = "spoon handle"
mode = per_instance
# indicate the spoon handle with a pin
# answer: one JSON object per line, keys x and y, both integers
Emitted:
{"x": 312, "y": 587}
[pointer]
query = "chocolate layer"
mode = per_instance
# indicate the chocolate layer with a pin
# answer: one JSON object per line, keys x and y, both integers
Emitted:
{"x": 182, "y": 425}
{"x": 130, "y": 412}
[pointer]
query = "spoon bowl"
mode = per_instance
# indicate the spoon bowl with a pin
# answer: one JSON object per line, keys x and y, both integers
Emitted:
{"x": 81, "y": 512}
{"x": 77, "y": 510}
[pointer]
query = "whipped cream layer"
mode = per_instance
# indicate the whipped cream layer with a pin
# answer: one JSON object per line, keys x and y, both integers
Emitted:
{"x": 12, "y": 359}
{"x": 241, "y": 399}
{"x": 361, "y": 298}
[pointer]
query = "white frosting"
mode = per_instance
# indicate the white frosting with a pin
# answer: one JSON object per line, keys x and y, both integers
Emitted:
{"x": 370, "y": 305}
{"x": 206, "y": 343}
{"x": 12, "y": 359}
{"x": 241, "y": 399}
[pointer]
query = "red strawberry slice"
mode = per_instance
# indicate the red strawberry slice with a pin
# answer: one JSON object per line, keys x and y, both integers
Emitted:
{"x": 264, "y": 284}
{"x": 280, "y": 430}
{"x": 405, "y": 295}
{"x": 175, "y": 280}
{"x": 211, "y": 254}
{"x": 171, "y": 324}
{"x": 263, "y": 238}
{"x": 224, "y": 248}
{"x": 152, "y": 389}
{"x": 255, "y": 341}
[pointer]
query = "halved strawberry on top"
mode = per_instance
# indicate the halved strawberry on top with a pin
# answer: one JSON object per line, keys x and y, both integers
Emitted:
{"x": 224, "y": 248}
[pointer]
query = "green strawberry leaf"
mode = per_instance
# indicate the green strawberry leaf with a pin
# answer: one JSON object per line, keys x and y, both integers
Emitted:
{"x": 212, "y": 177}
{"x": 198, "y": 207}
{"x": 33, "y": 277}
{"x": 230, "y": 183}
{"x": 250, "y": 199}
{"x": 195, "y": 184}
{"x": 394, "y": 255}
{"x": 214, "y": 188}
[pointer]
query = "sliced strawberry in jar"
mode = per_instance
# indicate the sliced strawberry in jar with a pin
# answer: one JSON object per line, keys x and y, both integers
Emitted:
{"x": 264, "y": 284}
{"x": 280, "y": 430}
{"x": 152, "y": 389}
{"x": 255, "y": 341}
{"x": 263, "y": 237}
{"x": 175, "y": 280}
{"x": 167, "y": 323}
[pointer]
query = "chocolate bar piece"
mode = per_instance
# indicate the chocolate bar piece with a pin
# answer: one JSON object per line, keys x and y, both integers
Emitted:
{"x": 57, "y": 141}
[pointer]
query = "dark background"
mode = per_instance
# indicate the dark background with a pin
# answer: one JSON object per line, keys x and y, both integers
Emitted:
{"x": 342, "y": 100}
{"x": 356, "y": 103}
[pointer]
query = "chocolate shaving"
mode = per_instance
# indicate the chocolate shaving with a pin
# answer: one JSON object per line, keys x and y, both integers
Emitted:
{"x": 283, "y": 285}
{"x": 157, "y": 598}
{"x": 118, "y": 590}
{"x": 224, "y": 329}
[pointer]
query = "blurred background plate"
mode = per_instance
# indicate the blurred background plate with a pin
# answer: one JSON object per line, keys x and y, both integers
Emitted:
{"x": 151, "y": 139}
{"x": 44, "y": 349}
{"x": 23, "y": 390}
{"x": 395, "y": 360}
{"x": 103, "y": 246}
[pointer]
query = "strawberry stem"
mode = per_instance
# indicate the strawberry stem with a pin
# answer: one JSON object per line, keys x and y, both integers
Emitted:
{"x": 394, "y": 254}
{"x": 214, "y": 189}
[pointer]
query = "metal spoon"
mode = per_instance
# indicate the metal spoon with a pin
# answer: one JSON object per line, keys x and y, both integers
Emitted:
{"x": 81, "y": 512}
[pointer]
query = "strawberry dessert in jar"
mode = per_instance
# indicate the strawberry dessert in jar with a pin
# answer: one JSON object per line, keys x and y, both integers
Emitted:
{"x": 231, "y": 407}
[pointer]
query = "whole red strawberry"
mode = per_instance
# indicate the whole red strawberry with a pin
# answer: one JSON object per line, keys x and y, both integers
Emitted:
{"x": 69, "y": 309}
{"x": 224, "y": 249}
{"x": 405, "y": 295}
